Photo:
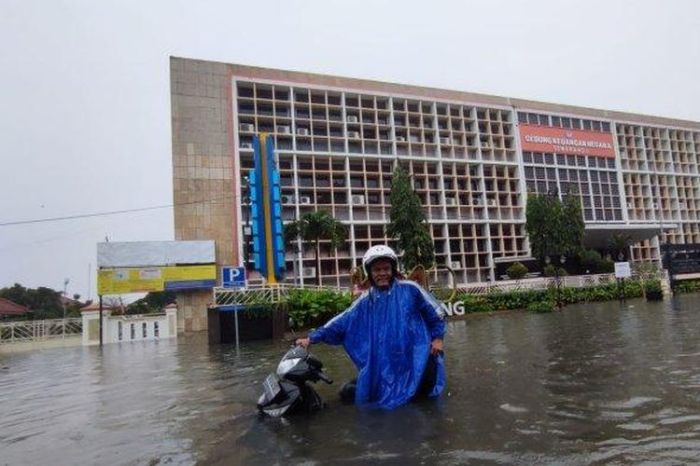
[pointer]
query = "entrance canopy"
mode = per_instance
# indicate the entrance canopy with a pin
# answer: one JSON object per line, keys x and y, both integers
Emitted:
{"x": 597, "y": 235}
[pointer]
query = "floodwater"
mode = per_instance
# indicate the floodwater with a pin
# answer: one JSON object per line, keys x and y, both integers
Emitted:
{"x": 596, "y": 383}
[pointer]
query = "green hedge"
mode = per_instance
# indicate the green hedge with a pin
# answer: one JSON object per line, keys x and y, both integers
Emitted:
{"x": 311, "y": 307}
{"x": 687, "y": 286}
{"x": 513, "y": 300}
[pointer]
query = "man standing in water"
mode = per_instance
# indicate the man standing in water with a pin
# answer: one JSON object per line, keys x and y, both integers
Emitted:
{"x": 394, "y": 335}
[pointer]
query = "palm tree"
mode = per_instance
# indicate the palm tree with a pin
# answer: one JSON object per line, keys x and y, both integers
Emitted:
{"x": 314, "y": 227}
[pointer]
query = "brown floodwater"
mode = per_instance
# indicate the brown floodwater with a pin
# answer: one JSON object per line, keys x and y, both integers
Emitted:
{"x": 596, "y": 383}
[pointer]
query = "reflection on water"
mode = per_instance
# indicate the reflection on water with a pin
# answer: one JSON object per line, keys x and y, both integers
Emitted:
{"x": 595, "y": 383}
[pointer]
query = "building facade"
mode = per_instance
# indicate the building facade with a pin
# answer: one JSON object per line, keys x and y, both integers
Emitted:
{"x": 473, "y": 159}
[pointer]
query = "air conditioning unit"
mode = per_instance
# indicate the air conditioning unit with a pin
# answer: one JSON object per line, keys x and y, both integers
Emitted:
{"x": 303, "y": 131}
{"x": 400, "y": 139}
{"x": 413, "y": 139}
{"x": 352, "y": 119}
{"x": 456, "y": 265}
{"x": 283, "y": 129}
{"x": 287, "y": 199}
{"x": 308, "y": 272}
{"x": 246, "y": 230}
{"x": 492, "y": 202}
{"x": 246, "y": 145}
{"x": 358, "y": 199}
{"x": 478, "y": 201}
{"x": 450, "y": 201}
{"x": 445, "y": 141}
{"x": 304, "y": 200}
{"x": 485, "y": 145}
{"x": 246, "y": 127}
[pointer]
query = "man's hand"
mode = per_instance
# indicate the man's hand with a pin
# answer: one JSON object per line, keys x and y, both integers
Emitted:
{"x": 304, "y": 342}
{"x": 436, "y": 346}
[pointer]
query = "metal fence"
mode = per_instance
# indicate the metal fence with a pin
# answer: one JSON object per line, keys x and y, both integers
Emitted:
{"x": 257, "y": 295}
{"x": 576, "y": 281}
{"x": 35, "y": 330}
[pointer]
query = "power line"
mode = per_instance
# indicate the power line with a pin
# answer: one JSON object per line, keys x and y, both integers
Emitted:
{"x": 106, "y": 213}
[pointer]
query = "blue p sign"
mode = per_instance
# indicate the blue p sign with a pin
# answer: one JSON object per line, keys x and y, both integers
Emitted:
{"x": 233, "y": 277}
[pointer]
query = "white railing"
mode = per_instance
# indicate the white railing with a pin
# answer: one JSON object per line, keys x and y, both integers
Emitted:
{"x": 576, "y": 281}
{"x": 34, "y": 330}
{"x": 270, "y": 294}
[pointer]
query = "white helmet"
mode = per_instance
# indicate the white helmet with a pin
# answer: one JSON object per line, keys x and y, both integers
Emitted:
{"x": 379, "y": 252}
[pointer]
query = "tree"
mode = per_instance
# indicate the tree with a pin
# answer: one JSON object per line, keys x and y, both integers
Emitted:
{"x": 554, "y": 227}
{"x": 408, "y": 224}
{"x": 154, "y": 301}
{"x": 314, "y": 227}
{"x": 572, "y": 223}
{"x": 44, "y": 302}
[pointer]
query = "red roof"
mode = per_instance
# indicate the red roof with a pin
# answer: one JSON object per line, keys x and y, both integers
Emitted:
{"x": 95, "y": 306}
{"x": 9, "y": 308}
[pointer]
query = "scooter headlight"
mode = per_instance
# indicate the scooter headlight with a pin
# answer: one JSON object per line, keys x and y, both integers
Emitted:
{"x": 287, "y": 365}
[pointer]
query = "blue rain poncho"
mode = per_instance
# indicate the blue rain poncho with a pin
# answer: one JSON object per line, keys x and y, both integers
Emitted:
{"x": 387, "y": 334}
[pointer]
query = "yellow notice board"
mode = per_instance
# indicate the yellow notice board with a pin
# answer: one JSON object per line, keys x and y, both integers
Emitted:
{"x": 144, "y": 279}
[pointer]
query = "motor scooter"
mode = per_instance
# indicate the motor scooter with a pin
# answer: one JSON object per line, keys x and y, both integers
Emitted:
{"x": 286, "y": 391}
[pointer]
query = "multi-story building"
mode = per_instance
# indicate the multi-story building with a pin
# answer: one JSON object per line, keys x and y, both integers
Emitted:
{"x": 473, "y": 159}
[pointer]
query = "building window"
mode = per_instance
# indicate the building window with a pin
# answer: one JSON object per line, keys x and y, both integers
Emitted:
{"x": 156, "y": 330}
{"x": 120, "y": 331}
{"x": 144, "y": 328}
{"x": 133, "y": 331}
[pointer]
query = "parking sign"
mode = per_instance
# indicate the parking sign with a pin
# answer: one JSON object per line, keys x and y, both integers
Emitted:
{"x": 233, "y": 277}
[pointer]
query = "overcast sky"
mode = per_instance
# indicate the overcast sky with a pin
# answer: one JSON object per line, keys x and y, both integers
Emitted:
{"x": 85, "y": 98}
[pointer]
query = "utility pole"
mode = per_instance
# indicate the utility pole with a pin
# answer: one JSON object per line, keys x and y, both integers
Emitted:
{"x": 63, "y": 301}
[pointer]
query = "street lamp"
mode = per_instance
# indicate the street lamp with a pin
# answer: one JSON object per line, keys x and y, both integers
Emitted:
{"x": 621, "y": 280}
{"x": 562, "y": 259}
{"x": 557, "y": 277}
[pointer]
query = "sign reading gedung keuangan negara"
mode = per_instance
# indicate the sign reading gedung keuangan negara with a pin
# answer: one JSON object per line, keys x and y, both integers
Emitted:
{"x": 565, "y": 141}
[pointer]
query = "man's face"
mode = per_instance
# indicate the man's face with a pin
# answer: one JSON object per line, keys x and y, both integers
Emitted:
{"x": 381, "y": 273}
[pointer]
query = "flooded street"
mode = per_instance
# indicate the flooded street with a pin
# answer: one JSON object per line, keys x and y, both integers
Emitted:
{"x": 597, "y": 383}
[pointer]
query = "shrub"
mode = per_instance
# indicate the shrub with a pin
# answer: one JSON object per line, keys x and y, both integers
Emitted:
{"x": 688, "y": 286}
{"x": 653, "y": 290}
{"x": 314, "y": 307}
{"x": 550, "y": 270}
{"x": 514, "y": 299}
{"x": 541, "y": 307}
{"x": 475, "y": 303}
{"x": 516, "y": 271}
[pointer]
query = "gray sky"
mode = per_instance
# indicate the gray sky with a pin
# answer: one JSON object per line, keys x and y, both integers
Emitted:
{"x": 84, "y": 87}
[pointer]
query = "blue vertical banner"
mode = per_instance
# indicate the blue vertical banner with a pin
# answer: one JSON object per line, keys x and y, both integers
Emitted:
{"x": 266, "y": 211}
